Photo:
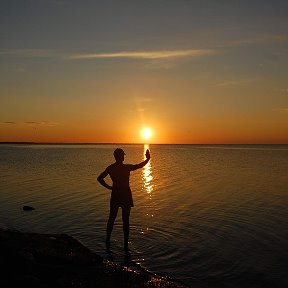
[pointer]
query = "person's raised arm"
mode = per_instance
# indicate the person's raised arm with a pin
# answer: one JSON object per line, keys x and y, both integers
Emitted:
{"x": 101, "y": 180}
{"x": 143, "y": 163}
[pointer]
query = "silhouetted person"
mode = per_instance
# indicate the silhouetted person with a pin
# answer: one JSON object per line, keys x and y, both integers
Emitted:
{"x": 121, "y": 195}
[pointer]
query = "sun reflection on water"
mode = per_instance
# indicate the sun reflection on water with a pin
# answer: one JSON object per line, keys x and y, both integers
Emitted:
{"x": 147, "y": 175}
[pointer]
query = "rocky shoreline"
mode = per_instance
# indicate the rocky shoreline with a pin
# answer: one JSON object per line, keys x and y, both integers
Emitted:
{"x": 60, "y": 261}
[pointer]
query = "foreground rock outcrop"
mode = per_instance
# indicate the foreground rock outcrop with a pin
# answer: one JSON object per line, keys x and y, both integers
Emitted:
{"x": 60, "y": 261}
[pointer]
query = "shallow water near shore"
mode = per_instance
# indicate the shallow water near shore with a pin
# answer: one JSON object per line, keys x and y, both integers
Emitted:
{"x": 206, "y": 215}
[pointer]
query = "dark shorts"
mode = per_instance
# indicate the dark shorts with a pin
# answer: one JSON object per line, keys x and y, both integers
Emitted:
{"x": 121, "y": 200}
{"x": 122, "y": 205}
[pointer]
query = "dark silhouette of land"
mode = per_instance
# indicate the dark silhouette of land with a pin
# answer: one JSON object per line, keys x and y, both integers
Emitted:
{"x": 60, "y": 261}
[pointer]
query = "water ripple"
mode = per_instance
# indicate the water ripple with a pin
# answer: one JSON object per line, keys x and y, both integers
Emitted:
{"x": 202, "y": 214}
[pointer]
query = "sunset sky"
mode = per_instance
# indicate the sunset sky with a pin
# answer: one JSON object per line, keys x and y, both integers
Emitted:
{"x": 100, "y": 71}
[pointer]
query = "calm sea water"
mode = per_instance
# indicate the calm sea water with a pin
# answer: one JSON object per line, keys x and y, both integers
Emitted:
{"x": 209, "y": 216}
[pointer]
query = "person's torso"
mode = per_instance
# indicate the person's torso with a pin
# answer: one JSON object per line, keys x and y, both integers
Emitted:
{"x": 120, "y": 174}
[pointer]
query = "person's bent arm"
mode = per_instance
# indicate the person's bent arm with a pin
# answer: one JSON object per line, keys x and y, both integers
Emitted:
{"x": 101, "y": 180}
{"x": 142, "y": 164}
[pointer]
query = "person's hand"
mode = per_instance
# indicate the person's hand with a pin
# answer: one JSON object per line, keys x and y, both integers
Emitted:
{"x": 147, "y": 154}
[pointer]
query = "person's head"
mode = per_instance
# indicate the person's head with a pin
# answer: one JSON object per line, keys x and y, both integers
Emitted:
{"x": 119, "y": 155}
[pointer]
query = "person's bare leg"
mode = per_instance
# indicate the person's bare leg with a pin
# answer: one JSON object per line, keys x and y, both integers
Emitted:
{"x": 126, "y": 227}
{"x": 110, "y": 224}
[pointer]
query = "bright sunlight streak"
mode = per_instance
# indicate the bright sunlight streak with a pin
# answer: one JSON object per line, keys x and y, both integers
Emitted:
{"x": 146, "y": 133}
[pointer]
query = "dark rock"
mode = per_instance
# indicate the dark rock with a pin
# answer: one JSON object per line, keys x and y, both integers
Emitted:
{"x": 60, "y": 261}
{"x": 28, "y": 208}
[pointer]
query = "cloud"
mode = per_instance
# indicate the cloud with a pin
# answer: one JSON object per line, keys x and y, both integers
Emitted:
{"x": 160, "y": 54}
{"x": 281, "y": 91}
{"x": 30, "y": 53}
{"x": 43, "y": 123}
{"x": 9, "y": 122}
{"x": 33, "y": 122}
{"x": 146, "y": 55}
{"x": 144, "y": 99}
{"x": 281, "y": 110}
{"x": 234, "y": 83}
{"x": 280, "y": 38}
{"x": 260, "y": 40}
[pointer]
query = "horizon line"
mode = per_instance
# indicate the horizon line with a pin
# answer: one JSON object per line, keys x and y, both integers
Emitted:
{"x": 124, "y": 143}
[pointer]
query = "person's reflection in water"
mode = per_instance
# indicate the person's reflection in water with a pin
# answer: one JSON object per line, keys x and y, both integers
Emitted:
{"x": 121, "y": 195}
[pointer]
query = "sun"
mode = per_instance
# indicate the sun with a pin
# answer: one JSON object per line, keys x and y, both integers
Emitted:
{"x": 146, "y": 133}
